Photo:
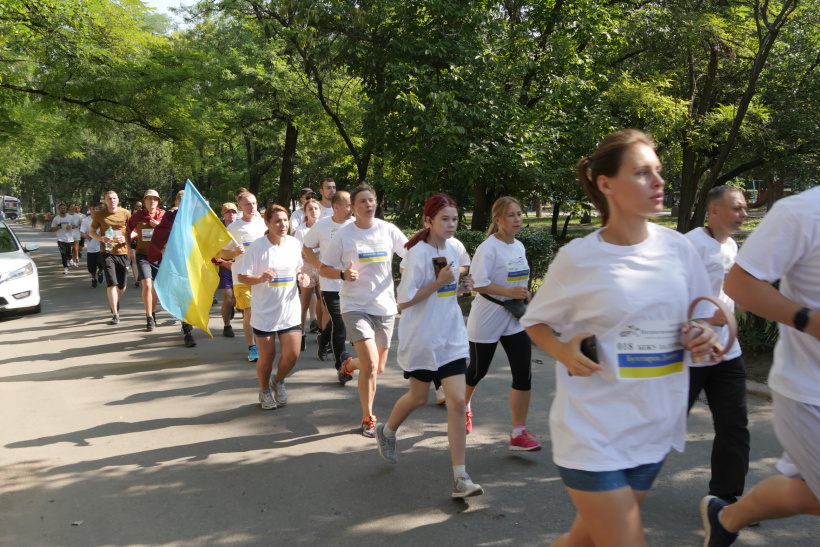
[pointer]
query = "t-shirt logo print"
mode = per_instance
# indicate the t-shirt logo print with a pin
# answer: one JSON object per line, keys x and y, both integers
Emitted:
{"x": 372, "y": 253}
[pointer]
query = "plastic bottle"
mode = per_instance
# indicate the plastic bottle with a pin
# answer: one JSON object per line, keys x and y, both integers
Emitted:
{"x": 109, "y": 233}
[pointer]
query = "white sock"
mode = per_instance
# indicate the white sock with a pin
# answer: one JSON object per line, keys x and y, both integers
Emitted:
{"x": 518, "y": 430}
{"x": 459, "y": 470}
{"x": 389, "y": 433}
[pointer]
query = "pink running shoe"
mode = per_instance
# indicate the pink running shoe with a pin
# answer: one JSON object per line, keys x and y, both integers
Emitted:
{"x": 524, "y": 443}
{"x": 469, "y": 422}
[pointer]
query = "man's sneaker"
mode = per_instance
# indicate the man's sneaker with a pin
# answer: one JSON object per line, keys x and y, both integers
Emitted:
{"x": 320, "y": 348}
{"x": 463, "y": 487}
{"x": 278, "y": 390}
{"x": 227, "y": 331}
{"x": 149, "y": 324}
{"x": 469, "y": 422}
{"x": 65, "y": 271}
{"x": 188, "y": 340}
{"x": 343, "y": 375}
{"x": 93, "y": 282}
{"x": 387, "y": 447}
{"x": 115, "y": 320}
{"x": 266, "y": 400}
{"x": 440, "y": 398}
{"x": 314, "y": 326}
{"x": 100, "y": 277}
{"x": 524, "y": 442}
{"x": 716, "y": 534}
{"x": 303, "y": 347}
{"x": 369, "y": 427}
{"x": 253, "y": 354}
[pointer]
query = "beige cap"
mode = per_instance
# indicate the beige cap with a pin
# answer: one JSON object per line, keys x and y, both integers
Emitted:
{"x": 229, "y": 207}
{"x": 152, "y": 194}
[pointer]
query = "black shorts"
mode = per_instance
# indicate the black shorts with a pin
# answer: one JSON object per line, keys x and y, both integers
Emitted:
{"x": 116, "y": 270}
{"x": 453, "y": 368}
{"x": 263, "y": 333}
{"x": 145, "y": 268}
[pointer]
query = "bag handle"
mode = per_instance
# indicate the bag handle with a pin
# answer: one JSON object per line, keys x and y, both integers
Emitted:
{"x": 730, "y": 320}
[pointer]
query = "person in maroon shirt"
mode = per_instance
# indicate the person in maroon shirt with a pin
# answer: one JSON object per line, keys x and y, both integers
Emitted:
{"x": 144, "y": 222}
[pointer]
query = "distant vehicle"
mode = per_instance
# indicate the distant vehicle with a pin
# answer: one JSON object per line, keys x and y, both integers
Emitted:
{"x": 19, "y": 281}
{"x": 12, "y": 207}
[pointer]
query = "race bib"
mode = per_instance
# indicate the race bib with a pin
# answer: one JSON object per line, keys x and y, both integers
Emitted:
{"x": 371, "y": 253}
{"x": 447, "y": 290}
{"x": 284, "y": 278}
{"x": 147, "y": 234}
{"x": 517, "y": 269}
{"x": 649, "y": 349}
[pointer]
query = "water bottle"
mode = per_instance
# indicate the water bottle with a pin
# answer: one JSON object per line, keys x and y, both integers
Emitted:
{"x": 109, "y": 233}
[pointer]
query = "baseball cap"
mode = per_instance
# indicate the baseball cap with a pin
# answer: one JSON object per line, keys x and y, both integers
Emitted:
{"x": 306, "y": 191}
{"x": 228, "y": 207}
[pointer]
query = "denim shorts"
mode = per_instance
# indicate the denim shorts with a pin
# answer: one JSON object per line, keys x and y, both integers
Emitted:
{"x": 638, "y": 478}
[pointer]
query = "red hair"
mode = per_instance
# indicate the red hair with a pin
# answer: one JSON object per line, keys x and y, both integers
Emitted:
{"x": 432, "y": 206}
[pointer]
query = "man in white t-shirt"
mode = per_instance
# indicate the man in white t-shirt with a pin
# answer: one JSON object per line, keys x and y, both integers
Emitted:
{"x": 320, "y": 235}
{"x": 785, "y": 246}
{"x": 245, "y": 231}
{"x": 298, "y": 216}
{"x": 65, "y": 235}
{"x": 93, "y": 250}
{"x": 77, "y": 219}
{"x": 326, "y": 189}
{"x": 724, "y": 383}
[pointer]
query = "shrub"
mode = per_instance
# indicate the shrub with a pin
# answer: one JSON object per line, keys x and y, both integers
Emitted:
{"x": 756, "y": 334}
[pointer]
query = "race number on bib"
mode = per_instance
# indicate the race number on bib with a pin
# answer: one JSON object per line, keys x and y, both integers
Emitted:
{"x": 649, "y": 349}
{"x": 517, "y": 269}
{"x": 147, "y": 234}
{"x": 372, "y": 253}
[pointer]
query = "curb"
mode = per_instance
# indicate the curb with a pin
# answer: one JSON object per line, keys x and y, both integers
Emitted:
{"x": 758, "y": 389}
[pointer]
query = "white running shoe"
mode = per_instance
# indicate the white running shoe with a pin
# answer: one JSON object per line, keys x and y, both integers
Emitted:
{"x": 266, "y": 400}
{"x": 440, "y": 398}
{"x": 65, "y": 271}
{"x": 463, "y": 487}
{"x": 278, "y": 390}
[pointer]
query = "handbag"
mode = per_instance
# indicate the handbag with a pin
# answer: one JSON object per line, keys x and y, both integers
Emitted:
{"x": 516, "y": 307}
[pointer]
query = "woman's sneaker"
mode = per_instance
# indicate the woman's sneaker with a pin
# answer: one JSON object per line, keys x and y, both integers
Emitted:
{"x": 387, "y": 446}
{"x": 342, "y": 374}
{"x": 463, "y": 487}
{"x": 525, "y": 442}
{"x": 716, "y": 534}
{"x": 369, "y": 427}
{"x": 266, "y": 400}
{"x": 440, "y": 397}
{"x": 278, "y": 390}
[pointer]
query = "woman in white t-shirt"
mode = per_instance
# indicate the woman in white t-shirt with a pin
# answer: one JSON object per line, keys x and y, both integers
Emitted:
{"x": 361, "y": 255}
{"x": 312, "y": 212}
{"x": 432, "y": 338}
{"x": 500, "y": 272}
{"x": 271, "y": 267}
{"x": 619, "y": 409}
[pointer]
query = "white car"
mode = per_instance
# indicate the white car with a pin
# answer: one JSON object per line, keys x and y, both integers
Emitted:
{"x": 19, "y": 284}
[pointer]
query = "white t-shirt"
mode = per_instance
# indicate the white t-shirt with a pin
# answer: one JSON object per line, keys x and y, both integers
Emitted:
{"x": 371, "y": 252}
{"x": 64, "y": 234}
{"x": 319, "y": 237}
{"x": 633, "y": 299}
{"x": 718, "y": 259}
{"x": 786, "y": 246}
{"x": 76, "y": 220}
{"x": 296, "y": 220}
{"x": 463, "y": 256}
{"x": 275, "y": 305}
{"x": 245, "y": 233}
{"x": 503, "y": 264}
{"x": 93, "y": 246}
{"x": 431, "y": 332}
{"x": 326, "y": 211}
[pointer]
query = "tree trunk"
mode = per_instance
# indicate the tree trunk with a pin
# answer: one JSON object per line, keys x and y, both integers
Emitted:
{"x": 283, "y": 197}
{"x": 480, "y": 220}
{"x": 566, "y": 224}
{"x": 556, "y": 211}
{"x": 538, "y": 207}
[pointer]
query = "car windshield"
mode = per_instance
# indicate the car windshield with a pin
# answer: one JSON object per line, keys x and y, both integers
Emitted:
{"x": 7, "y": 243}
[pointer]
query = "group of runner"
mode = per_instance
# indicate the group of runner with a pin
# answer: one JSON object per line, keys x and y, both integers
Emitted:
{"x": 611, "y": 310}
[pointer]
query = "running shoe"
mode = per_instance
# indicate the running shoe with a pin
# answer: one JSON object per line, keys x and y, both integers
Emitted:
{"x": 320, "y": 348}
{"x": 716, "y": 534}
{"x": 65, "y": 271}
{"x": 266, "y": 400}
{"x": 463, "y": 487}
{"x": 314, "y": 326}
{"x": 115, "y": 320}
{"x": 100, "y": 276}
{"x": 278, "y": 390}
{"x": 93, "y": 282}
{"x": 188, "y": 340}
{"x": 369, "y": 427}
{"x": 149, "y": 324}
{"x": 227, "y": 331}
{"x": 303, "y": 347}
{"x": 253, "y": 354}
{"x": 469, "y": 422}
{"x": 440, "y": 398}
{"x": 524, "y": 443}
{"x": 387, "y": 446}
{"x": 342, "y": 374}
{"x": 137, "y": 284}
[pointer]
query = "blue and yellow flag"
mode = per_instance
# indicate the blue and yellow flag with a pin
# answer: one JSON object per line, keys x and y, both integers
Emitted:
{"x": 187, "y": 278}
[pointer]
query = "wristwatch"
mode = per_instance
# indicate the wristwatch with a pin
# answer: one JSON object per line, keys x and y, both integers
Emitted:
{"x": 342, "y": 275}
{"x": 801, "y": 319}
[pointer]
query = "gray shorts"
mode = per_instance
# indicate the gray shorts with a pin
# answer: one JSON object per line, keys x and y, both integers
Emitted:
{"x": 361, "y": 326}
{"x": 797, "y": 426}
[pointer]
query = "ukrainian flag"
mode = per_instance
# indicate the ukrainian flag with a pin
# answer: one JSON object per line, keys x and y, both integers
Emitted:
{"x": 187, "y": 278}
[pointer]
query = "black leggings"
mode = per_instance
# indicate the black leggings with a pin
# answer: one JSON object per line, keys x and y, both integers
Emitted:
{"x": 519, "y": 354}
{"x": 66, "y": 251}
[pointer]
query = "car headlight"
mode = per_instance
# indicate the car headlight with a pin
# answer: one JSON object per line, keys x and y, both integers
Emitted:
{"x": 28, "y": 269}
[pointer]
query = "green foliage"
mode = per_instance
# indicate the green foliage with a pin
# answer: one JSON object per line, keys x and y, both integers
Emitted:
{"x": 756, "y": 334}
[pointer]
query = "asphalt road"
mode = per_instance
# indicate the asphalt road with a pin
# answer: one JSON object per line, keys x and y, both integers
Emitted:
{"x": 114, "y": 436}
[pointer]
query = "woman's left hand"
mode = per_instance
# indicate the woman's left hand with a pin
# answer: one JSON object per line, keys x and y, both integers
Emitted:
{"x": 705, "y": 343}
{"x": 303, "y": 278}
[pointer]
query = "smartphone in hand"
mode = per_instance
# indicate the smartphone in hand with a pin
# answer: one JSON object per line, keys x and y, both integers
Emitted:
{"x": 589, "y": 347}
{"x": 439, "y": 263}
